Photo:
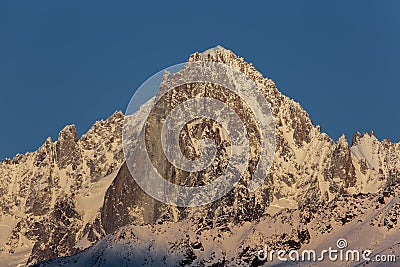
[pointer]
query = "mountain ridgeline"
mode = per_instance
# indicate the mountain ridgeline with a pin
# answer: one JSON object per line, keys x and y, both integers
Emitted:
{"x": 76, "y": 196}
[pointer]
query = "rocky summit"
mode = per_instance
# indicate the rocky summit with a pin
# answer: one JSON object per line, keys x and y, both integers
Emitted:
{"x": 73, "y": 202}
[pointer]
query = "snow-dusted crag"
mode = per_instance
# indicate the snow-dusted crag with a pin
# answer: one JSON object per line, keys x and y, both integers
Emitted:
{"x": 71, "y": 193}
{"x": 183, "y": 244}
{"x": 50, "y": 198}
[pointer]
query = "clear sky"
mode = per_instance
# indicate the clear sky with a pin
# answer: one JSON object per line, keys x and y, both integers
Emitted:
{"x": 64, "y": 62}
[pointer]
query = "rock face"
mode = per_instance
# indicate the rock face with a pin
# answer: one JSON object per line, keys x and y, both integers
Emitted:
{"x": 43, "y": 212}
{"x": 181, "y": 244}
{"x": 72, "y": 193}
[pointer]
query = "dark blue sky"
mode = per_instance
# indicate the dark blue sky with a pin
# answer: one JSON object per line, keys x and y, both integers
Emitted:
{"x": 79, "y": 61}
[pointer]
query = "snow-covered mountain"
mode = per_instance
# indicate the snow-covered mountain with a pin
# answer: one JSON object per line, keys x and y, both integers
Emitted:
{"x": 71, "y": 193}
{"x": 184, "y": 244}
{"x": 50, "y": 198}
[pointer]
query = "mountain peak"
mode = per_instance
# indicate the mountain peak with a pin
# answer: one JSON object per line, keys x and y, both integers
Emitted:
{"x": 79, "y": 188}
{"x": 342, "y": 139}
{"x": 217, "y": 54}
{"x": 216, "y": 50}
{"x": 68, "y": 131}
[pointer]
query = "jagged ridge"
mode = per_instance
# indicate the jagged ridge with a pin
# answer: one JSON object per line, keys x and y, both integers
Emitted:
{"x": 44, "y": 192}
